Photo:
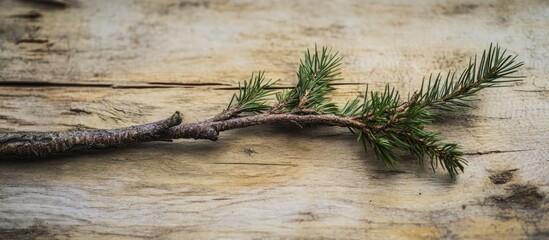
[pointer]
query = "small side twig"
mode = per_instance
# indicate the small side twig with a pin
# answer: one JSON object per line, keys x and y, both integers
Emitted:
{"x": 225, "y": 115}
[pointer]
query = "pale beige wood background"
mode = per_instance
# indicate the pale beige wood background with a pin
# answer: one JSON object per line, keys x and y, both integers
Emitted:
{"x": 105, "y": 64}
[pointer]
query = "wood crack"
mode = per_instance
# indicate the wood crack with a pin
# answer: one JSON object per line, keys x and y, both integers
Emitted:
{"x": 149, "y": 85}
{"x": 496, "y": 152}
{"x": 259, "y": 164}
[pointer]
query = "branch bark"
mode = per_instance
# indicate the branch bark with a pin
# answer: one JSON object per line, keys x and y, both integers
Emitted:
{"x": 38, "y": 144}
{"x": 210, "y": 130}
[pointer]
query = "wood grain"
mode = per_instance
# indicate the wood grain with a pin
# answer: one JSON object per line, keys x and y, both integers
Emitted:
{"x": 108, "y": 64}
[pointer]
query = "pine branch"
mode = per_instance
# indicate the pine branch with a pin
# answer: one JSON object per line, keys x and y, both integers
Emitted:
{"x": 252, "y": 95}
{"x": 34, "y": 144}
{"x": 400, "y": 125}
{"x": 252, "y": 98}
{"x": 316, "y": 73}
{"x": 382, "y": 119}
{"x": 495, "y": 68}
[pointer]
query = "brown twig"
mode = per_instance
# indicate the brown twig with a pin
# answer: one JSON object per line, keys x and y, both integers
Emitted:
{"x": 34, "y": 144}
{"x": 225, "y": 115}
{"x": 210, "y": 130}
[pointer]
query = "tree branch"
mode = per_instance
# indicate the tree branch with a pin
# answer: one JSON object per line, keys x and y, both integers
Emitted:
{"x": 39, "y": 144}
{"x": 210, "y": 130}
{"x": 34, "y": 144}
{"x": 382, "y": 119}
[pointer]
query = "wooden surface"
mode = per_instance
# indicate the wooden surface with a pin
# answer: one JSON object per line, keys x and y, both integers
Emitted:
{"x": 106, "y": 64}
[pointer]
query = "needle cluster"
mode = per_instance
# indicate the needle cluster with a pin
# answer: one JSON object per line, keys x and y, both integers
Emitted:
{"x": 317, "y": 71}
{"x": 386, "y": 122}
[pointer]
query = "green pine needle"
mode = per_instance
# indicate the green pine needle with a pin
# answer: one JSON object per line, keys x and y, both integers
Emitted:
{"x": 400, "y": 125}
{"x": 253, "y": 94}
{"x": 316, "y": 73}
{"x": 495, "y": 68}
{"x": 351, "y": 108}
{"x": 390, "y": 123}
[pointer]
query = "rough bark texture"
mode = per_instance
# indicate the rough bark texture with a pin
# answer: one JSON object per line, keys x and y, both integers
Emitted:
{"x": 111, "y": 64}
{"x": 210, "y": 129}
{"x": 39, "y": 144}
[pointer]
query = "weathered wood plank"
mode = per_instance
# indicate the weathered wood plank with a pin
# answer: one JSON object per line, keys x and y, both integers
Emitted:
{"x": 109, "y": 64}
